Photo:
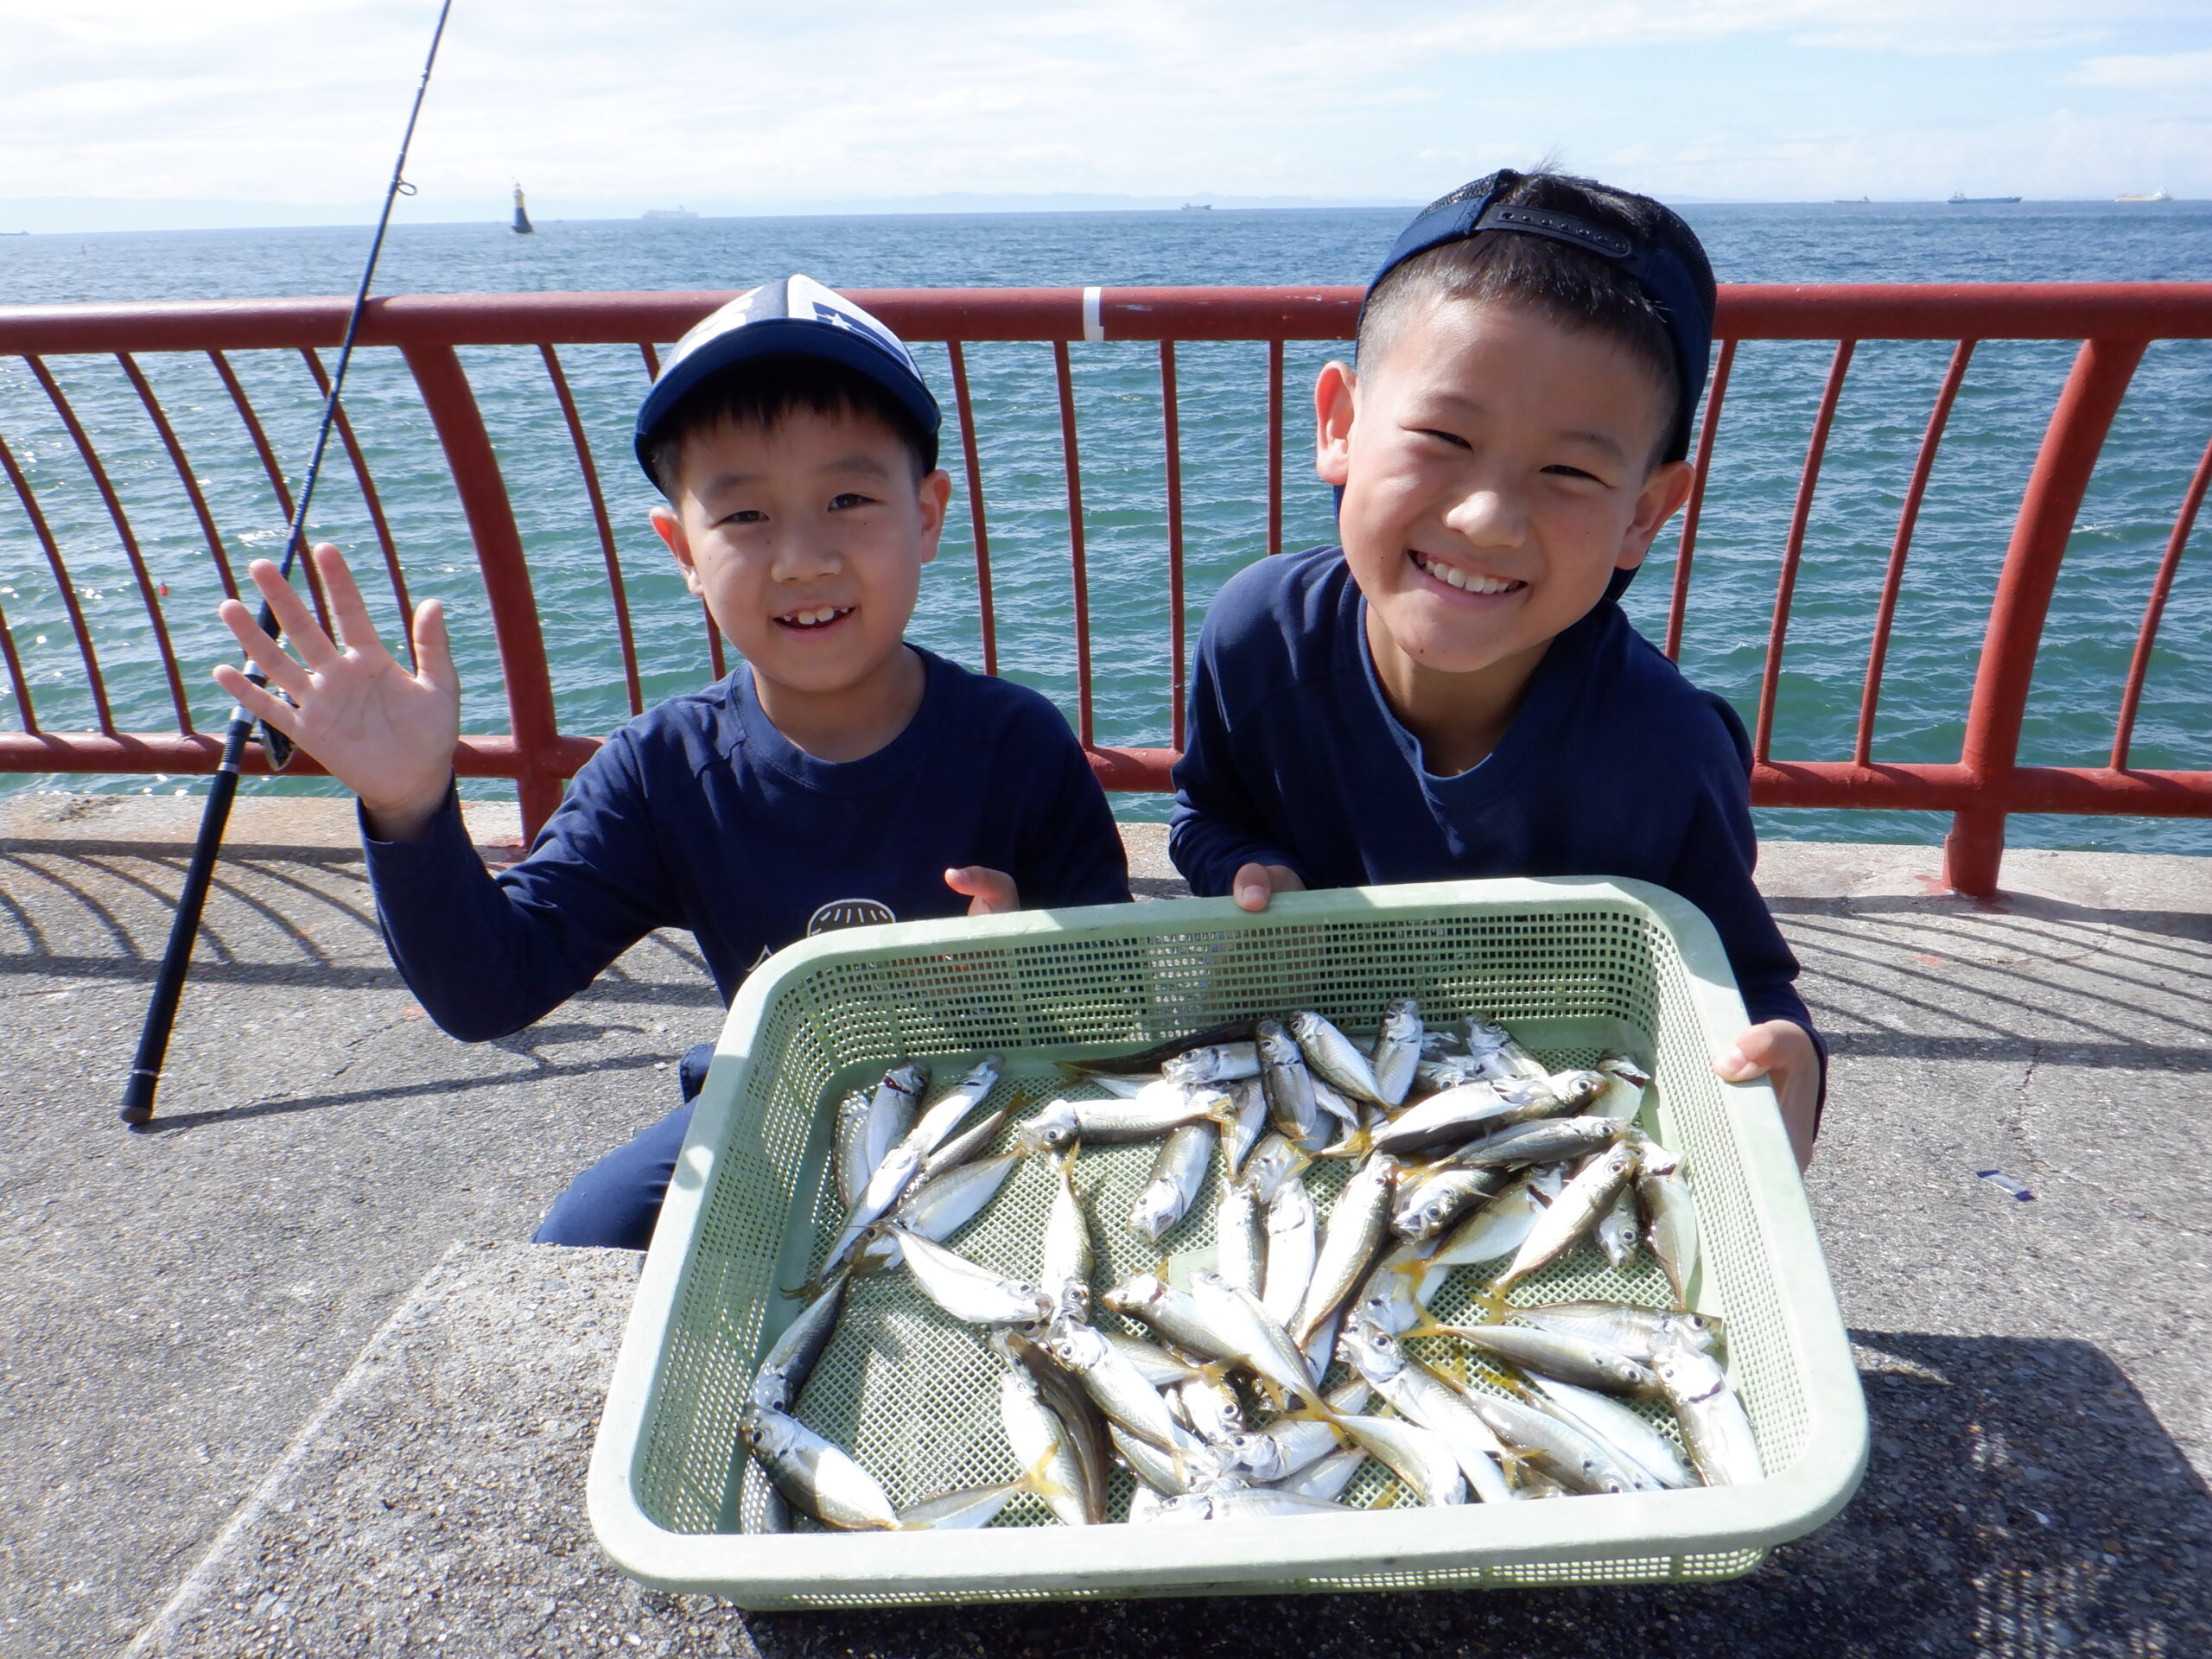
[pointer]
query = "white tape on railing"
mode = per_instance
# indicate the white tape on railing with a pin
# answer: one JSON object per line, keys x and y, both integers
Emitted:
{"x": 1094, "y": 326}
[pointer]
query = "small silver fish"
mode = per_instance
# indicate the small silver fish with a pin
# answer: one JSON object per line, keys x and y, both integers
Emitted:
{"x": 894, "y": 1177}
{"x": 1550, "y": 1140}
{"x": 1562, "y": 1449}
{"x": 791, "y": 1357}
{"x": 1439, "y": 1201}
{"x": 1168, "y": 1470}
{"x": 1422, "y": 1396}
{"x": 1334, "y": 1057}
{"x": 1548, "y": 1353}
{"x": 1212, "y": 1407}
{"x": 1240, "y": 1236}
{"x": 1574, "y": 1213}
{"x": 1617, "y": 1228}
{"x": 1066, "y": 1276}
{"x": 1495, "y": 1229}
{"x": 1714, "y": 1424}
{"x": 940, "y": 1207}
{"x": 1274, "y": 1161}
{"x": 972, "y": 1506}
{"x": 1359, "y": 1222}
{"x": 1249, "y": 1122}
{"x": 1619, "y": 1428}
{"x": 1161, "y": 1107}
{"x": 1042, "y": 1441}
{"x": 965, "y": 1145}
{"x": 1421, "y": 1457}
{"x": 816, "y": 1476}
{"x": 1293, "y": 1245}
{"x": 1459, "y": 1115}
{"x": 1261, "y": 1342}
{"x": 967, "y": 1290}
{"x": 1327, "y": 1478}
{"x": 950, "y": 1112}
{"x": 1434, "y": 1077}
{"x": 1670, "y": 1216}
{"x": 1222, "y": 1063}
{"x": 1625, "y": 1083}
{"x": 1499, "y": 1052}
{"x": 1114, "y": 1382}
{"x": 1177, "y": 1175}
{"x": 1333, "y": 1104}
{"x": 1641, "y": 1334}
{"x": 1289, "y": 1084}
{"x": 1160, "y": 1369}
{"x": 890, "y": 1110}
{"x": 1396, "y": 1054}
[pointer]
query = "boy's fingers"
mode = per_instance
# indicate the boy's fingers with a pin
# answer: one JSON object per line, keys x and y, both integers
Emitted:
{"x": 433, "y": 650}
{"x": 294, "y": 618}
{"x": 356, "y": 628}
{"x": 257, "y": 702}
{"x": 1252, "y": 887}
{"x": 268, "y": 656}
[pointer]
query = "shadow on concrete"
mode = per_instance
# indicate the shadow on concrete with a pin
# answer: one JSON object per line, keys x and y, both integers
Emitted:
{"x": 2028, "y": 907}
{"x": 389, "y": 1093}
{"x": 2022, "y": 1502}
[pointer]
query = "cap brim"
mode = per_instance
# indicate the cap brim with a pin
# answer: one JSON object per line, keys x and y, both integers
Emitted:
{"x": 785, "y": 337}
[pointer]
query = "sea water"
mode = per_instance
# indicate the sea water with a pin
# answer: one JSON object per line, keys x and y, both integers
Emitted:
{"x": 1957, "y": 550}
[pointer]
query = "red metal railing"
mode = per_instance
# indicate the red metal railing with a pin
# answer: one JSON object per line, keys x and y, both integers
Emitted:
{"x": 2114, "y": 323}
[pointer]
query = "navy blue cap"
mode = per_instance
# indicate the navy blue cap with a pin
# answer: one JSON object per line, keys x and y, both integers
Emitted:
{"x": 796, "y": 316}
{"x": 1670, "y": 267}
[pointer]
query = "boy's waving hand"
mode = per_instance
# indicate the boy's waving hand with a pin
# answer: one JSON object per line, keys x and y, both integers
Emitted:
{"x": 387, "y": 734}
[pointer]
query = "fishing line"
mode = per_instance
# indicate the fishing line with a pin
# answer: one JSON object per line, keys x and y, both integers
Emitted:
{"x": 184, "y": 930}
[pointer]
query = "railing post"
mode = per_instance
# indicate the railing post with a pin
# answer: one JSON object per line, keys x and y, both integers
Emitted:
{"x": 1974, "y": 849}
{"x": 483, "y": 492}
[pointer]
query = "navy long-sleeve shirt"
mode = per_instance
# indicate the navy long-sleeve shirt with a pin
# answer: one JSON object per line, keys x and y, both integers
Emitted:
{"x": 699, "y": 814}
{"x": 1615, "y": 766}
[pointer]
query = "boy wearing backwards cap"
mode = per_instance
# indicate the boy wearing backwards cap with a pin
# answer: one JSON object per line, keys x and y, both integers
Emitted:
{"x": 1455, "y": 691}
{"x": 840, "y": 775}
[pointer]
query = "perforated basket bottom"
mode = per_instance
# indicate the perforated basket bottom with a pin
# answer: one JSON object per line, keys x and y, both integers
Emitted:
{"x": 914, "y": 1394}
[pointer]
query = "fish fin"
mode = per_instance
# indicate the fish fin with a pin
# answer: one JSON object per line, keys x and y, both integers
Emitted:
{"x": 1034, "y": 1480}
{"x": 1358, "y": 1144}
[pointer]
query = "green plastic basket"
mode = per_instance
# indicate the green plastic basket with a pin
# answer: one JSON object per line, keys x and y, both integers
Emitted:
{"x": 1572, "y": 966}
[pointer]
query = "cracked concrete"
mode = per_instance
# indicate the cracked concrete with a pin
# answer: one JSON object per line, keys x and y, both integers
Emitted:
{"x": 180, "y": 1302}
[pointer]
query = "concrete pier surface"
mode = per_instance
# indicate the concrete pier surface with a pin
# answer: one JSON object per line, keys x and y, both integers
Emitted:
{"x": 281, "y": 1374}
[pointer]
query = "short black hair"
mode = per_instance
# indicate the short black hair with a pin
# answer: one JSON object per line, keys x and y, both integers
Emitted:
{"x": 762, "y": 391}
{"x": 1576, "y": 289}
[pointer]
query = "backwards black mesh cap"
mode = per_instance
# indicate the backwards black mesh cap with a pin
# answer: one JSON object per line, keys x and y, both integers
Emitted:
{"x": 1668, "y": 263}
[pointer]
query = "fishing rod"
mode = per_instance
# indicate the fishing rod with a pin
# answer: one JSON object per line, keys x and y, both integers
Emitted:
{"x": 192, "y": 902}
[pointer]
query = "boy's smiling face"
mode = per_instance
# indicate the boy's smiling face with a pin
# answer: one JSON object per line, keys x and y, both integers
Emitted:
{"x": 1498, "y": 469}
{"x": 806, "y": 539}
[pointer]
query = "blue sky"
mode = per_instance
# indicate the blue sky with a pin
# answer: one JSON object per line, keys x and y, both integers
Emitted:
{"x": 227, "y": 110}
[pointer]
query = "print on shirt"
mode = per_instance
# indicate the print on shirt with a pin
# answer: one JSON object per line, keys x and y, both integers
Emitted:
{"x": 839, "y": 913}
{"x": 848, "y": 912}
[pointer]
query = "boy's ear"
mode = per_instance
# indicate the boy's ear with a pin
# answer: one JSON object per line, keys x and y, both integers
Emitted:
{"x": 669, "y": 529}
{"x": 1335, "y": 399}
{"x": 1664, "y": 491}
{"x": 934, "y": 495}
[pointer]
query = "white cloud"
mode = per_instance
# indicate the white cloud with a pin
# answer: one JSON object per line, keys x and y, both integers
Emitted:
{"x": 694, "y": 100}
{"x": 2188, "y": 69}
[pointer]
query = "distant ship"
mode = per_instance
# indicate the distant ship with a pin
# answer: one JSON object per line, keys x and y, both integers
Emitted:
{"x": 1197, "y": 206}
{"x": 668, "y": 212}
{"x": 1852, "y": 201}
{"x": 1960, "y": 199}
{"x": 2156, "y": 195}
{"x": 521, "y": 226}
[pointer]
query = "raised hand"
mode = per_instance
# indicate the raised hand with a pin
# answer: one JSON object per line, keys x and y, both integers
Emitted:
{"x": 1782, "y": 1052}
{"x": 387, "y": 734}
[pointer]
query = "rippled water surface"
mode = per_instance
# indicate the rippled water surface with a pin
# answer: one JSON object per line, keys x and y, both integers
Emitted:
{"x": 1957, "y": 549}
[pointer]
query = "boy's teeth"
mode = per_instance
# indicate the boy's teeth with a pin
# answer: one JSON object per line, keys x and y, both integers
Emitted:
{"x": 1461, "y": 579}
{"x": 814, "y": 619}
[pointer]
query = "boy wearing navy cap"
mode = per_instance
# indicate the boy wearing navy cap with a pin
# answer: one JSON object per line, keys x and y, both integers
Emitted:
{"x": 1455, "y": 691}
{"x": 840, "y": 775}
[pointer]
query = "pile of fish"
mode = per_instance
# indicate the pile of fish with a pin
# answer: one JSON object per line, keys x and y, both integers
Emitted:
{"x": 1264, "y": 1386}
